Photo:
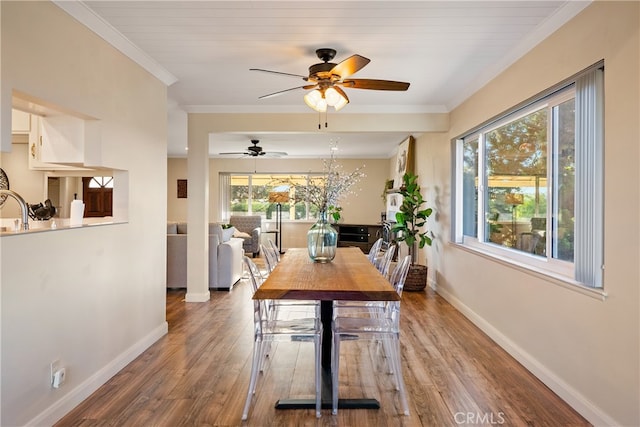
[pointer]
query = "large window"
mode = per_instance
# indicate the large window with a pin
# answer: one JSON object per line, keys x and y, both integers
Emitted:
{"x": 529, "y": 183}
{"x": 259, "y": 194}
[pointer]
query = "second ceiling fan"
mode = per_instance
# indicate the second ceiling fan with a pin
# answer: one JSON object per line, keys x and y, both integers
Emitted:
{"x": 256, "y": 151}
{"x": 326, "y": 80}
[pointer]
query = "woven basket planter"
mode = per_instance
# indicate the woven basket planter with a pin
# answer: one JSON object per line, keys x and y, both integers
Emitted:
{"x": 416, "y": 278}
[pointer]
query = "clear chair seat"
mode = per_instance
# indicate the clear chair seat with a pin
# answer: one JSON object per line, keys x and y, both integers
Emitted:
{"x": 364, "y": 325}
{"x": 292, "y": 330}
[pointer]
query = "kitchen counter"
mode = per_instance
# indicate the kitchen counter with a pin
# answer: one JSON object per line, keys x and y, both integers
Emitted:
{"x": 7, "y": 225}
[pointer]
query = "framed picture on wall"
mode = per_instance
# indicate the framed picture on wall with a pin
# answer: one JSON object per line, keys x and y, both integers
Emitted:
{"x": 404, "y": 160}
{"x": 394, "y": 201}
{"x": 182, "y": 189}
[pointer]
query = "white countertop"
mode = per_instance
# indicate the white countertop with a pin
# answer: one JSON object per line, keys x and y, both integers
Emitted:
{"x": 7, "y": 225}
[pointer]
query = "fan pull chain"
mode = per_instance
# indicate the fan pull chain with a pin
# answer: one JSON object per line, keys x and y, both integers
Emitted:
{"x": 326, "y": 120}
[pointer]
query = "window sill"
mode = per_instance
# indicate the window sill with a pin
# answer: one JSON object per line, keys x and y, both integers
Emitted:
{"x": 547, "y": 276}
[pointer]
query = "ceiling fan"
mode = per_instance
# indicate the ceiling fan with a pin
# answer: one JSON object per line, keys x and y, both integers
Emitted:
{"x": 256, "y": 151}
{"x": 327, "y": 80}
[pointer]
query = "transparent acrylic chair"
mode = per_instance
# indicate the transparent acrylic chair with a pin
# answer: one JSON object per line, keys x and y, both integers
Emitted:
{"x": 275, "y": 249}
{"x": 255, "y": 275}
{"x": 384, "y": 262}
{"x": 268, "y": 330}
{"x": 270, "y": 257}
{"x": 272, "y": 307}
{"x": 379, "y": 323}
{"x": 375, "y": 248}
{"x": 399, "y": 274}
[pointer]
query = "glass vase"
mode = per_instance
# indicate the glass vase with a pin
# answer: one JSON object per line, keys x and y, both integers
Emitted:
{"x": 322, "y": 240}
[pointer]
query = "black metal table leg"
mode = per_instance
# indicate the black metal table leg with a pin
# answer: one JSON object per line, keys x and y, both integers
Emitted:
{"x": 326, "y": 314}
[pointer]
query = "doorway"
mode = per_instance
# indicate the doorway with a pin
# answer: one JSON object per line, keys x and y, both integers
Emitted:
{"x": 97, "y": 192}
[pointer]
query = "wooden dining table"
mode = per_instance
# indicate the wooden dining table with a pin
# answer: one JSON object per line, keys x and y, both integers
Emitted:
{"x": 349, "y": 277}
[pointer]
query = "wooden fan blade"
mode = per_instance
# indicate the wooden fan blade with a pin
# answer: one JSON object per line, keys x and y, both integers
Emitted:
{"x": 305, "y": 78}
{"x": 285, "y": 91}
{"x": 350, "y": 66}
{"x": 375, "y": 84}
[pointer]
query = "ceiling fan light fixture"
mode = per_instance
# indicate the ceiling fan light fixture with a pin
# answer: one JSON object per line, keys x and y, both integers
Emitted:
{"x": 335, "y": 98}
{"x": 332, "y": 96}
{"x": 343, "y": 101}
{"x": 319, "y": 99}
{"x": 315, "y": 100}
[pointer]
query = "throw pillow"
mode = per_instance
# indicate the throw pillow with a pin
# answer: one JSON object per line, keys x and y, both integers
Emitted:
{"x": 241, "y": 234}
{"x": 227, "y": 233}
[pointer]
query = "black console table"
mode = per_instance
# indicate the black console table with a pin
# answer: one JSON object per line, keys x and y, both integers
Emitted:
{"x": 359, "y": 235}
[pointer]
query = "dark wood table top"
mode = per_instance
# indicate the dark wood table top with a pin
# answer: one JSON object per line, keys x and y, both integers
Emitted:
{"x": 349, "y": 277}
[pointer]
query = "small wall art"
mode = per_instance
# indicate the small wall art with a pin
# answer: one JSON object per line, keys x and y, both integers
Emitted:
{"x": 182, "y": 189}
{"x": 404, "y": 160}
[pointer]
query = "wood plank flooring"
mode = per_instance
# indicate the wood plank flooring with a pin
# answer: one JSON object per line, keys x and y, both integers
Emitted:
{"x": 198, "y": 374}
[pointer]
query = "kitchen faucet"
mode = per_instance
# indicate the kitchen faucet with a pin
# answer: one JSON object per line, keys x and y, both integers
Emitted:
{"x": 23, "y": 206}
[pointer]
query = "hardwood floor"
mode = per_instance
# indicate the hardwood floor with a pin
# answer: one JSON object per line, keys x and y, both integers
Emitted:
{"x": 198, "y": 374}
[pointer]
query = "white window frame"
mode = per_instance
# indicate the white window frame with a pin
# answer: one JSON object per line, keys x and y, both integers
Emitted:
{"x": 225, "y": 183}
{"x": 568, "y": 272}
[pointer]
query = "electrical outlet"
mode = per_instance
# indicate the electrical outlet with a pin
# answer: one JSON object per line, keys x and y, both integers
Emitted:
{"x": 59, "y": 377}
{"x": 53, "y": 368}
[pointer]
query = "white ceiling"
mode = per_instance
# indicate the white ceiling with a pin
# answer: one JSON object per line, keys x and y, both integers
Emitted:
{"x": 203, "y": 50}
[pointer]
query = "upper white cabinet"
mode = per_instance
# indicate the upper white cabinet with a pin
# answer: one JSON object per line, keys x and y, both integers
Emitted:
{"x": 58, "y": 142}
{"x": 20, "y": 122}
{"x": 62, "y": 139}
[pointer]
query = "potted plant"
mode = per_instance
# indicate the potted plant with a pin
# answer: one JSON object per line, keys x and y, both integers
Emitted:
{"x": 334, "y": 213}
{"x": 409, "y": 226}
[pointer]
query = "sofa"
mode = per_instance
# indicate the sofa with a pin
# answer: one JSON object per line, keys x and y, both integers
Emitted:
{"x": 249, "y": 226}
{"x": 225, "y": 256}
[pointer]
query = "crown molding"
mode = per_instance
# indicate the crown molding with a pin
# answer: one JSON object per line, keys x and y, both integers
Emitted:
{"x": 87, "y": 17}
{"x": 563, "y": 15}
{"x": 293, "y": 109}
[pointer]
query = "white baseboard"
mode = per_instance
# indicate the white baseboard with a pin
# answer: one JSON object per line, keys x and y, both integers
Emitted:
{"x": 72, "y": 399}
{"x": 575, "y": 399}
{"x": 197, "y": 297}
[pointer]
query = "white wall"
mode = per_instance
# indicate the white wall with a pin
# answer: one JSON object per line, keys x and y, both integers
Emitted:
{"x": 585, "y": 349}
{"x": 93, "y": 298}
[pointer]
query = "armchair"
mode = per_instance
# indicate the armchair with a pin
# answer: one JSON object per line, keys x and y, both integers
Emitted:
{"x": 251, "y": 225}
